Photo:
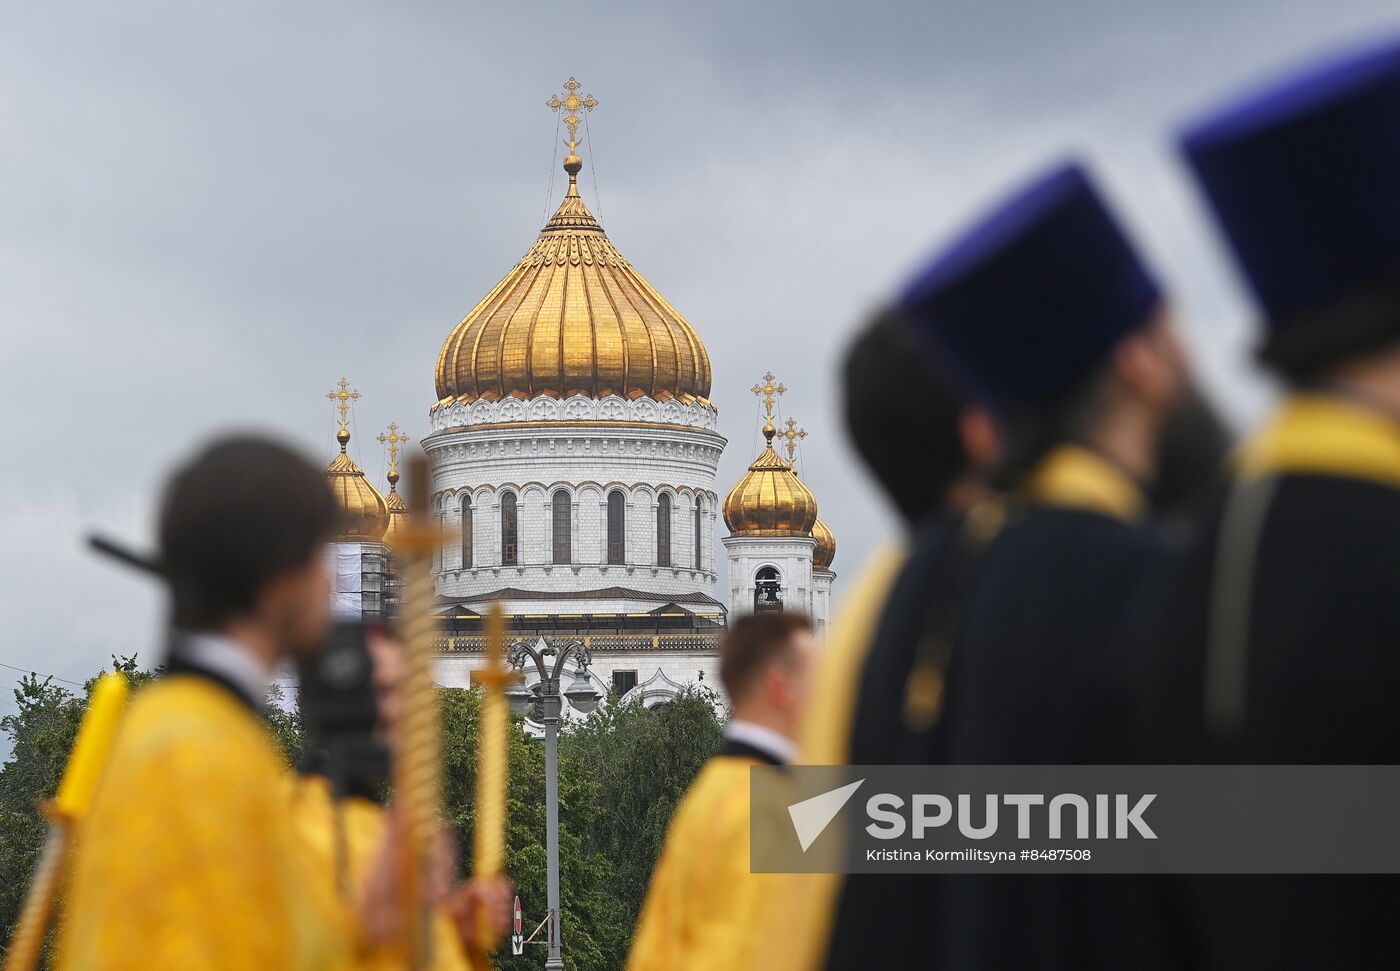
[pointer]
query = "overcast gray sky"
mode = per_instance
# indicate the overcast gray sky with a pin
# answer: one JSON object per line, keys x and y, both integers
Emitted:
{"x": 210, "y": 212}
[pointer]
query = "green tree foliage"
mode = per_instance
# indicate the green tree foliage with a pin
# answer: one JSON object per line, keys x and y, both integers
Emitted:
{"x": 642, "y": 761}
{"x": 621, "y": 772}
{"x": 286, "y": 724}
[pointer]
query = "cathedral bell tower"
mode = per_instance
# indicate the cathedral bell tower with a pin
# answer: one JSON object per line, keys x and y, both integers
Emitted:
{"x": 780, "y": 553}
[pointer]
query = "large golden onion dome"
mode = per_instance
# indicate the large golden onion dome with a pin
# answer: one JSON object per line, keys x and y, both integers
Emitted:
{"x": 572, "y": 317}
{"x": 365, "y": 514}
{"x": 770, "y": 500}
{"x": 826, "y": 546}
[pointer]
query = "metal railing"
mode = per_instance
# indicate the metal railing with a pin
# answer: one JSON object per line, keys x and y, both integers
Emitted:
{"x": 597, "y": 643}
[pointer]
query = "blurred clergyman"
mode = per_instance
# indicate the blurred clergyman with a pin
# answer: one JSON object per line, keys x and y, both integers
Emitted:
{"x": 191, "y": 858}
{"x": 930, "y": 451}
{"x": 703, "y": 905}
{"x": 1281, "y": 637}
{"x": 1006, "y": 636}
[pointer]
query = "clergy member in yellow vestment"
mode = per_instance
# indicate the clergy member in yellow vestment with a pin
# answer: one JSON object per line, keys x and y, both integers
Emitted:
{"x": 701, "y": 906}
{"x": 189, "y": 859}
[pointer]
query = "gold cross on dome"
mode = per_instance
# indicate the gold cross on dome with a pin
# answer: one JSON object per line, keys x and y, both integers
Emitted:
{"x": 393, "y": 439}
{"x": 571, "y": 103}
{"x": 793, "y": 435}
{"x": 344, "y": 396}
{"x": 769, "y": 391}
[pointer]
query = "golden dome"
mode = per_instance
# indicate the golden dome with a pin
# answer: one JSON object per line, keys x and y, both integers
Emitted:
{"x": 826, "y": 546}
{"x": 365, "y": 513}
{"x": 770, "y": 500}
{"x": 572, "y": 317}
{"x": 398, "y": 511}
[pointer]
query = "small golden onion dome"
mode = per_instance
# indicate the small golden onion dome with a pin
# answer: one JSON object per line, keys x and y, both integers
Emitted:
{"x": 770, "y": 500}
{"x": 365, "y": 514}
{"x": 826, "y": 546}
{"x": 398, "y": 511}
{"x": 572, "y": 317}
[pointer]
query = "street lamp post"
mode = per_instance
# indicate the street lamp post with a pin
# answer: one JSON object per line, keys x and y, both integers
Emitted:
{"x": 583, "y": 696}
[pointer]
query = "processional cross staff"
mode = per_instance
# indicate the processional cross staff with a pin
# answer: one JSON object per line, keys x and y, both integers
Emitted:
{"x": 418, "y": 758}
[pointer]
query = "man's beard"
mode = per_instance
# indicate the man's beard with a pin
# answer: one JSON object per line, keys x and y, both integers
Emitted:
{"x": 1190, "y": 450}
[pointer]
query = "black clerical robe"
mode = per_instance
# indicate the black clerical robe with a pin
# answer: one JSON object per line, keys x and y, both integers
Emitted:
{"x": 1042, "y": 668}
{"x": 1297, "y": 664}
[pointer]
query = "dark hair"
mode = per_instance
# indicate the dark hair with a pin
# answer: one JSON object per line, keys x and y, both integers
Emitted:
{"x": 754, "y": 643}
{"x": 238, "y": 514}
{"x": 1028, "y": 436}
{"x": 1304, "y": 347}
{"x": 902, "y": 416}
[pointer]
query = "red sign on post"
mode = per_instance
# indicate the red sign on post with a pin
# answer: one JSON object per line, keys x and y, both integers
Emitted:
{"x": 517, "y": 939}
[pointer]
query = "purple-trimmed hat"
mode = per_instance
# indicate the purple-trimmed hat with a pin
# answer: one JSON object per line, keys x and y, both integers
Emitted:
{"x": 1029, "y": 300}
{"x": 1304, "y": 179}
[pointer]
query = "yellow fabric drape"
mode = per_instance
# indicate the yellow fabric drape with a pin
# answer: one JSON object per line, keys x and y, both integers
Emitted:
{"x": 1072, "y": 475}
{"x": 189, "y": 858}
{"x": 701, "y": 907}
{"x": 796, "y": 914}
{"x": 1324, "y": 435}
{"x": 362, "y": 831}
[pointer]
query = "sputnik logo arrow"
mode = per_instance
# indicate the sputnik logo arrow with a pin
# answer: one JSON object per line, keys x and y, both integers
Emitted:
{"x": 811, "y": 817}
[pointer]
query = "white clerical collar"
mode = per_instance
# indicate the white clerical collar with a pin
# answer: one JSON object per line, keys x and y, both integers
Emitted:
{"x": 229, "y": 659}
{"x": 781, "y": 748}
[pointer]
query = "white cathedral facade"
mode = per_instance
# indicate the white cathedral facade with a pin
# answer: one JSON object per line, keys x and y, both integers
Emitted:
{"x": 573, "y": 455}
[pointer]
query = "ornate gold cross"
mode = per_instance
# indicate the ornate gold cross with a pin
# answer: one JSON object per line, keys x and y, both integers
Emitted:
{"x": 392, "y": 439}
{"x": 769, "y": 391}
{"x": 793, "y": 435}
{"x": 344, "y": 396}
{"x": 571, "y": 103}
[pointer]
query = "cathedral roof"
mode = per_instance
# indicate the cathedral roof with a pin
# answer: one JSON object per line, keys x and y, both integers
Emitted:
{"x": 603, "y": 593}
{"x": 770, "y": 500}
{"x": 826, "y": 546}
{"x": 398, "y": 514}
{"x": 572, "y": 317}
{"x": 365, "y": 514}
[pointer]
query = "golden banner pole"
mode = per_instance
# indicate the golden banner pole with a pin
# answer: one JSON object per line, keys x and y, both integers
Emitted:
{"x": 489, "y": 845}
{"x": 90, "y": 750}
{"x": 417, "y": 772}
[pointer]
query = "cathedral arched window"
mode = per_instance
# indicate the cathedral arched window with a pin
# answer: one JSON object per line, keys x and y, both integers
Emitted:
{"x": 466, "y": 531}
{"x": 768, "y": 589}
{"x": 699, "y": 533}
{"x": 438, "y": 516}
{"x": 509, "y": 530}
{"x": 663, "y": 530}
{"x": 563, "y": 544}
{"x": 617, "y": 528}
